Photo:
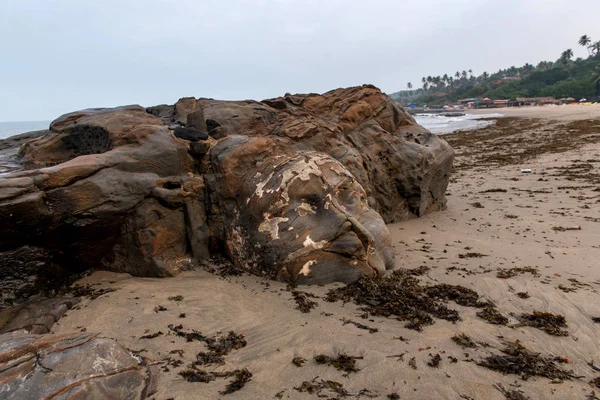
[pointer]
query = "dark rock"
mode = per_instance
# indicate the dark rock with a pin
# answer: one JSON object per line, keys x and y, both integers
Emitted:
{"x": 37, "y": 316}
{"x": 191, "y": 134}
{"x": 197, "y": 121}
{"x": 27, "y": 271}
{"x": 163, "y": 111}
{"x": 199, "y": 149}
{"x": 80, "y": 213}
{"x": 80, "y": 365}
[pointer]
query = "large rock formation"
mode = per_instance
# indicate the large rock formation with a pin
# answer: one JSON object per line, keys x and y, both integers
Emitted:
{"x": 71, "y": 366}
{"x": 297, "y": 188}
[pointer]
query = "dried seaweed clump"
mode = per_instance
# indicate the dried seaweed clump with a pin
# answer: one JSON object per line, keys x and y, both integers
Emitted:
{"x": 298, "y": 361}
{"x": 505, "y": 273}
{"x": 511, "y": 394}
{"x": 516, "y": 359}
{"x": 320, "y": 388}
{"x": 545, "y": 321}
{"x": 242, "y": 376}
{"x": 464, "y": 340}
{"x": 401, "y": 295}
{"x": 87, "y": 291}
{"x": 303, "y": 303}
{"x": 342, "y": 362}
{"x": 492, "y": 316}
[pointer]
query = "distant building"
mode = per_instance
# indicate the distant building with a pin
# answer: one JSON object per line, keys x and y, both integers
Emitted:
{"x": 532, "y": 101}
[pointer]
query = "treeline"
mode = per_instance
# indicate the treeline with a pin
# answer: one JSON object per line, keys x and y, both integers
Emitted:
{"x": 562, "y": 78}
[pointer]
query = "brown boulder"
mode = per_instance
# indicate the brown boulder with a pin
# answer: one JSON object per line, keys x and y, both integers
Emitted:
{"x": 298, "y": 188}
{"x": 67, "y": 366}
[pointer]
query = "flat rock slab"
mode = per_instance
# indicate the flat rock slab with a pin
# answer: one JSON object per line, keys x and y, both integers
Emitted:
{"x": 71, "y": 365}
{"x": 37, "y": 316}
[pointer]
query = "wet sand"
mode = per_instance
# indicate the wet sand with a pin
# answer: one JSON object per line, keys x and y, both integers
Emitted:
{"x": 548, "y": 220}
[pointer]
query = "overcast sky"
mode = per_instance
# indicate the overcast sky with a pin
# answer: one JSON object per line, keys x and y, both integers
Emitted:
{"x": 63, "y": 55}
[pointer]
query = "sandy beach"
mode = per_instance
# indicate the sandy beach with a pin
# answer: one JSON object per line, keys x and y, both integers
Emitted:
{"x": 539, "y": 231}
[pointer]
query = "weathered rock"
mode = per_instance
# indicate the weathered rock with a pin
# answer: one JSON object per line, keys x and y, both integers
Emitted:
{"x": 296, "y": 217}
{"x": 79, "y": 211}
{"x": 196, "y": 120}
{"x": 36, "y": 317}
{"x": 298, "y": 188}
{"x": 9, "y": 150}
{"x": 68, "y": 366}
{"x": 162, "y": 111}
{"x": 191, "y": 134}
{"x": 27, "y": 271}
{"x": 403, "y": 167}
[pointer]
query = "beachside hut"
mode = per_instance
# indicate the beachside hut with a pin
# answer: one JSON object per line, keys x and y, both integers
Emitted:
{"x": 501, "y": 103}
{"x": 567, "y": 100}
{"x": 532, "y": 101}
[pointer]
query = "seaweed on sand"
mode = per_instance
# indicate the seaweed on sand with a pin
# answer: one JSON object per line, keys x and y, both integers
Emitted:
{"x": 518, "y": 360}
{"x": 492, "y": 316}
{"x": 401, "y": 295}
{"x": 302, "y": 301}
{"x": 464, "y": 340}
{"x": 505, "y": 273}
{"x": 151, "y": 335}
{"x": 342, "y": 362}
{"x": 510, "y": 394}
{"x": 545, "y": 321}
{"x": 318, "y": 387}
{"x": 86, "y": 291}
{"x": 242, "y": 376}
{"x": 298, "y": 361}
{"x": 359, "y": 325}
{"x": 435, "y": 361}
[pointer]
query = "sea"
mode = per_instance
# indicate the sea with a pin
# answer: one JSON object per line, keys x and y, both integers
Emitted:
{"x": 8, "y": 129}
{"x": 441, "y": 125}
{"x": 435, "y": 123}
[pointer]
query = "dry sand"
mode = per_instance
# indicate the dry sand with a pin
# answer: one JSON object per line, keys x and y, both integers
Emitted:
{"x": 514, "y": 228}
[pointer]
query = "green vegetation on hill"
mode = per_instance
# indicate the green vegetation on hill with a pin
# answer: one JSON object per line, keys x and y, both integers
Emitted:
{"x": 562, "y": 78}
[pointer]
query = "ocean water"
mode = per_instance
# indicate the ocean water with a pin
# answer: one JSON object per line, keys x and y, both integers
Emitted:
{"x": 8, "y": 129}
{"x": 442, "y": 125}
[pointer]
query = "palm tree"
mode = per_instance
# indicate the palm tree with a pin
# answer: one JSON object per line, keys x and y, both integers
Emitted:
{"x": 471, "y": 72}
{"x": 565, "y": 57}
{"x": 464, "y": 74}
{"x": 457, "y": 75}
{"x": 425, "y": 86}
{"x": 596, "y": 47}
{"x": 485, "y": 75}
{"x": 423, "y": 80}
{"x": 568, "y": 54}
{"x": 409, "y": 85}
{"x": 585, "y": 41}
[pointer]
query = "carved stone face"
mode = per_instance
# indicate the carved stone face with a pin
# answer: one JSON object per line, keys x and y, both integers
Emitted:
{"x": 306, "y": 219}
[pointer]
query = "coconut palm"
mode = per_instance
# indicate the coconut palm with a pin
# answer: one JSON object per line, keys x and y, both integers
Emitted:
{"x": 457, "y": 75}
{"x": 596, "y": 47}
{"x": 464, "y": 74}
{"x": 485, "y": 75}
{"x": 585, "y": 41}
{"x": 409, "y": 85}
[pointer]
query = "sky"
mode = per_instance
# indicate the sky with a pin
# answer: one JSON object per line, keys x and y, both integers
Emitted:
{"x": 63, "y": 55}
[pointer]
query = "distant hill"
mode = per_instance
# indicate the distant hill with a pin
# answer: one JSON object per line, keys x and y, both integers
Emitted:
{"x": 562, "y": 78}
